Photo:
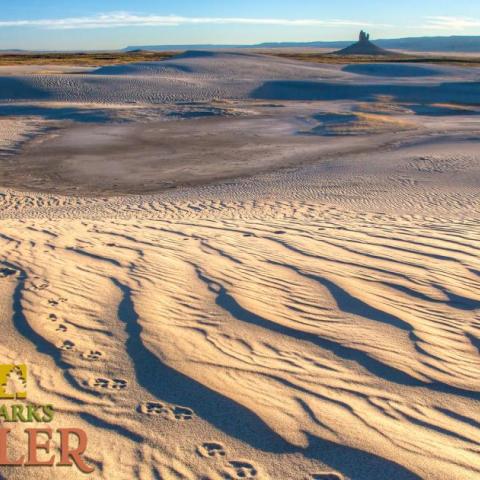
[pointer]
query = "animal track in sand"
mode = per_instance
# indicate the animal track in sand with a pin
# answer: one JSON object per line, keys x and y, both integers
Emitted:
{"x": 171, "y": 412}
{"x": 53, "y": 317}
{"x": 38, "y": 284}
{"x": 327, "y": 476}
{"x": 240, "y": 470}
{"x": 67, "y": 345}
{"x": 153, "y": 408}
{"x": 54, "y": 302}
{"x": 62, "y": 328}
{"x": 110, "y": 384}
{"x": 7, "y": 272}
{"x": 92, "y": 355}
{"x": 211, "y": 449}
{"x": 182, "y": 413}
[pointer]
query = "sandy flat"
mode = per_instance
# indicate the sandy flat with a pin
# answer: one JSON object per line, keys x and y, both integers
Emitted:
{"x": 283, "y": 285}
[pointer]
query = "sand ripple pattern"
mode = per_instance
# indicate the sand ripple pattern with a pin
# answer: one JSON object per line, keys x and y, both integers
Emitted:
{"x": 194, "y": 76}
{"x": 254, "y": 343}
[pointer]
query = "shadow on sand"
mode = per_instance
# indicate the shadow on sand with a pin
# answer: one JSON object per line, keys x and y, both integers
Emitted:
{"x": 391, "y": 70}
{"x": 356, "y": 464}
{"x": 66, "y": 113}
{"x": 167, "y": 384}
{"x": 14, "y": 88}
{"x": 467, "y": 93}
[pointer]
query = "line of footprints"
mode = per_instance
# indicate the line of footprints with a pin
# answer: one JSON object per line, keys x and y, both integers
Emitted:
{"x": 240, "y": 469}
{"x": 233, "y": 469}
{"x": 170, "y": 412}
{"x": 67, "y": 345}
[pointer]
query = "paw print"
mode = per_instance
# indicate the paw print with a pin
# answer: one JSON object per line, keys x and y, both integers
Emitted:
{"x": 118, "y": 384}
{"x": 38, "y": 284}
{"x": 54, "y": 302}
{"x": 171, "y": 412}
{"x": 61, "y": 328}
{"x": 92, "y": 355}
{"x": 101, "y": 382}
{"x": 67, "y": 345}
{"x": 182, "y": 413}
{"x": 241, "y": 470}
{"x": 110, "y": 384}
{"x": 153, "y": 408}
{"x": 211, "y": 449}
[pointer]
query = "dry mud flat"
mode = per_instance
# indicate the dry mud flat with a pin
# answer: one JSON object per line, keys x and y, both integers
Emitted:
{"x": 316, "y": 322}
{"x": 203, "y": 117}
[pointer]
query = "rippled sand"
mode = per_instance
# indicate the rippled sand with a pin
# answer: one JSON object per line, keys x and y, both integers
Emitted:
{"x": 316, "y": 322}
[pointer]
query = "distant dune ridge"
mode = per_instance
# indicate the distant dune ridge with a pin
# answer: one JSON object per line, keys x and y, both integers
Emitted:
{"x": 455, "y": 43}
{"x": 204, "y": 76}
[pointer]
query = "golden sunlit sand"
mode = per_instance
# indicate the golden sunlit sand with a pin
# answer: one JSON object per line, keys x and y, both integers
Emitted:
{"x": 312, "y": 313}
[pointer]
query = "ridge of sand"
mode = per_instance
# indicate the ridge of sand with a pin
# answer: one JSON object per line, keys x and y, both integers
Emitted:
{"x": 320, "y": 321}
{"x": 369, "y": 350}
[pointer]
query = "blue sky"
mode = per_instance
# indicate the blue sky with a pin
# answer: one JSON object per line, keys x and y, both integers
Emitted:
{"x": 110, "y": 24}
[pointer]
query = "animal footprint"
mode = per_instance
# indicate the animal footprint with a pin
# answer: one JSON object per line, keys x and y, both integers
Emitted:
{"x": 67, "y": 345}
{"x": 53, "y": 317}
{"x": 92, "y": 355}
{"x": 118, "y": 384}
{"x": 7, "y": 272}
{"x": 153, "y": 408}
{"x": 38, "y": 284}
{"x": 327, "y": 476}
{"x": 240, "y": 470}
{"x": 101, "y": 382}
{"x": 54, "y": 302}
{"x": 61, "y": 328}
{"x": 211, "y": 449}
{"x": 182, "y": 413}
{"x": 110, "y": 384}
{"x": 174, "y": 412}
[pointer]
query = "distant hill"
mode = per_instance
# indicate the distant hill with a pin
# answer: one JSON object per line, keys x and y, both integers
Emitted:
{"x": 364, "y": 47}
{"x": 434, "y": 44}
{"x": 183, "y": 47}
{"x": 467, "y": 44}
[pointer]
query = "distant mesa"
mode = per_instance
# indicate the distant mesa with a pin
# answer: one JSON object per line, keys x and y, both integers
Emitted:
{"x": 364, "y": 47}
{"x": 364, "y": 37}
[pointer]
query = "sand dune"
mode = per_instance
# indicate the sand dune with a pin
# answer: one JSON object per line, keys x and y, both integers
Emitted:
{"x": 371, "y": 341}
{"x": 203, "y": 76}
{"x": 315, "y": 321}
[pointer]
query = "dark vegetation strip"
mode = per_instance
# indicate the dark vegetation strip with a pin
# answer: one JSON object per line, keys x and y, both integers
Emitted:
{"x": 349, "y": 59}
{"x": 84, "y": 59}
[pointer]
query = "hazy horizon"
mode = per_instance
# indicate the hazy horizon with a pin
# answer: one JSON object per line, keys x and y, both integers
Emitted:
{"x": 52, "y": 25}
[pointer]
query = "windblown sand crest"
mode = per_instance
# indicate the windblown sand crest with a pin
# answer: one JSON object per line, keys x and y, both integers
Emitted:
{"x": 315, "y": 321}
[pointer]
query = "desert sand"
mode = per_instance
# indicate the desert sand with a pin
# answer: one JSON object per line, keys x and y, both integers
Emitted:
{"x": 231, "y": 266}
